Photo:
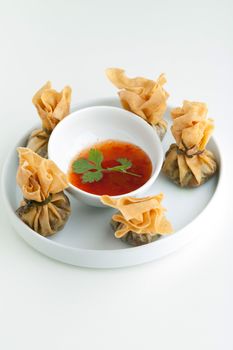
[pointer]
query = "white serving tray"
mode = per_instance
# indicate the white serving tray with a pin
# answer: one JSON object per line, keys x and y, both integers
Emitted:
{"x": 87, "y": 239}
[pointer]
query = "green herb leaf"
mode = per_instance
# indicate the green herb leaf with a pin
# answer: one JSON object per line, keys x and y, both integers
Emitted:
{"x": 96, "y": 157}
{"x": 124, "y": 165}
{"x": 81, "y": 166}
{"x": 125, "y": 162}
{"x": 94, "y": 162}
{"x": 92, "y": 176}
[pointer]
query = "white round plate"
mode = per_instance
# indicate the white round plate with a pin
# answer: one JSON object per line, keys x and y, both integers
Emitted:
{"x": 87, "y": 239}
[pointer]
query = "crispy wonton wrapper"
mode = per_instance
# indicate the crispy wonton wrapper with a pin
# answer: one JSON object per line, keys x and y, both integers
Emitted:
{"x": 138, "y": 220}
{"x": 45, "y": 207}
{"x": 187, "y": 162}
{"x": 52, "y": 107}
{"x": 144, "y": 97}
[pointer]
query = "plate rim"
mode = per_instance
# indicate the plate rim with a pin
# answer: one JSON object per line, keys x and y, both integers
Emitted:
{"x": 50, "y": 243}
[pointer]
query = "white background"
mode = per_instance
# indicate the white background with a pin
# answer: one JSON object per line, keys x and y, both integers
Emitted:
{"x": 183, "y": 301}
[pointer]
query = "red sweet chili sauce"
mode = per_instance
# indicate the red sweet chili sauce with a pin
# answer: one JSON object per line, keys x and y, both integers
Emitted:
{"x": 115, "y": 183}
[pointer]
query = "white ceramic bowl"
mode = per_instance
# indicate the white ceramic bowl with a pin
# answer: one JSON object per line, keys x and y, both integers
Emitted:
{"x": 90, "y": 125}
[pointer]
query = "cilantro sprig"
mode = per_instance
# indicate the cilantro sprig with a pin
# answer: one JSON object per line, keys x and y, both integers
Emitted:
{"x": 92, "y": 169}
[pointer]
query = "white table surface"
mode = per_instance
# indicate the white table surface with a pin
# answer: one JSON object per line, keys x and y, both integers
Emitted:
{"x": 183, "y": 301}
